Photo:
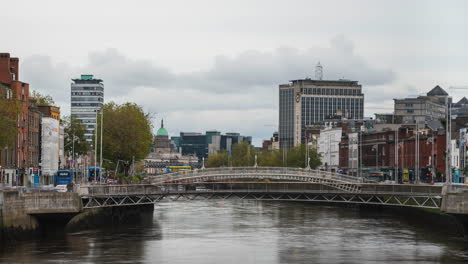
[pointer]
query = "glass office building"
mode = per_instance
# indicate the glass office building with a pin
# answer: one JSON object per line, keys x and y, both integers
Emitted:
{"x": 87, "y": 98}
{"x": 204, "y": 145}
{"x": 306, "y": 102}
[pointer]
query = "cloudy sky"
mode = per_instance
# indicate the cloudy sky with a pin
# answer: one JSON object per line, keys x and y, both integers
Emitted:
{"x": 205, "y": 65}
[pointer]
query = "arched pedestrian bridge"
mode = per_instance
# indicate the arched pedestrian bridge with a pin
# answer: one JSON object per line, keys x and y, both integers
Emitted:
{"x": 279, "y": 184}
{"x": 335, "y": 180}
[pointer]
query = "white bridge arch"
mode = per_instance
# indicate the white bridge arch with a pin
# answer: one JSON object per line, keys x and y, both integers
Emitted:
{"x": 339, "y": 181}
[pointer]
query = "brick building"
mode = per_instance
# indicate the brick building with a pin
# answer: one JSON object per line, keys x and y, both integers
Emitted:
{"x": 34, "y": 143}
{"x": 377, "y": 150}
{"x": 9, "y": 76}
{"x": 50, "y": 111}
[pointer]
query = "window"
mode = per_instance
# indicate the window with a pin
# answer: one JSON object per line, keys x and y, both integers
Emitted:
{"x": 410, "y": 111}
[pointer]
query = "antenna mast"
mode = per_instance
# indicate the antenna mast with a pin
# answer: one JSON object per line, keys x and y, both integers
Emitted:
{"x": 318, "y": 71}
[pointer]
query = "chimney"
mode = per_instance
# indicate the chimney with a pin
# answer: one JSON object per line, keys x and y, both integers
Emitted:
{"x": 5, "y": 70}
{"x": 14, "y": 68}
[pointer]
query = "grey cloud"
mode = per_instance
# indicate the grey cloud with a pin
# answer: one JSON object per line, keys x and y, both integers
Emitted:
{"x": 271, "y": 68}
{"x": 251, "y": 71}
{"x": 246, "y": 83}
{"x": 121, "y": 73}
{"x": 47, "y": 77}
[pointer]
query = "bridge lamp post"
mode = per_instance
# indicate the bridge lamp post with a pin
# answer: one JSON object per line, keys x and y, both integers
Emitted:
{"x": 396, "y": 155}
{"x": 376, "y": 149}
{"x": 431, "y": 140}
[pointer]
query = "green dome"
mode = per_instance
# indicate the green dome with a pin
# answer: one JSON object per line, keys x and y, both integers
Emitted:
{"x": 162, "y": 132}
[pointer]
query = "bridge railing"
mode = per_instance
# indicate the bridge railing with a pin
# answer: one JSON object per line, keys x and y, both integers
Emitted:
{"x": 242, "y": 171}
{"x": 268, "y": 187}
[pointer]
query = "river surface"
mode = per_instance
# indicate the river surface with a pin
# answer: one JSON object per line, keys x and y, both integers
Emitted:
{"x": 248, "y": 232}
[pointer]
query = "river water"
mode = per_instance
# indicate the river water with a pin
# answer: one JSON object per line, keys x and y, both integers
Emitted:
{"x": 248, "y": 232}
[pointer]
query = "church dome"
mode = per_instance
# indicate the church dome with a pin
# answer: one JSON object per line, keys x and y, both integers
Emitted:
{"x": 162, "y": 131}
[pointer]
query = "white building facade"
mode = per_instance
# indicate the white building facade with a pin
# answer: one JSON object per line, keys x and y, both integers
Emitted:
{"x": 50, "y": 149}
{"x": 328, "y": 147}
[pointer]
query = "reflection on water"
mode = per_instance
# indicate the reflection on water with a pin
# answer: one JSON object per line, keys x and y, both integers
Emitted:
{"x": 247, "y": 232}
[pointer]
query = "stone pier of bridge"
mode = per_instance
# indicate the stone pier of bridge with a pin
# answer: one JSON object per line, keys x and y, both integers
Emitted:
{"x": 20, "y": 211}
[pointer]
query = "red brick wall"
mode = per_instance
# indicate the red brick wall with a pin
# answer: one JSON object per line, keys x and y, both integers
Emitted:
{"x": 21, "y": 92}
{"x": 5, "y": 74}
{"x": 14, "y": 67}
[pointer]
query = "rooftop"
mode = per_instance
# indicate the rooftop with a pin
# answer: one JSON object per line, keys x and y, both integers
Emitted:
{"x": 437, "y": 91}
{"x": 462, "y": 101}
{"x": 87, "y": 78}
{"x": 340, "y": 82}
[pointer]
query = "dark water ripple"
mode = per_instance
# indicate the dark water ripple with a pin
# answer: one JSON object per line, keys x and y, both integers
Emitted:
{"x": 248, "y": 232}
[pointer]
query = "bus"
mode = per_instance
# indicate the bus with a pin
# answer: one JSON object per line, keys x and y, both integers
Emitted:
{"x": 170, "y": 169}
{"x": 92, "y": 171}
{"x": 63, "y": 177}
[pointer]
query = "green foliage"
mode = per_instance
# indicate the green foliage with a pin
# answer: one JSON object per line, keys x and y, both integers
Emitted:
{"x": 272, "y": 158}
{"x": 243, "y": 155}
{"x": 126, "y": 132}
{"x": 217, "y": 160}
{"x": 9, "y": 111}
{"x": 465, "y": 170}
{"x": 42, "y": 99}
{"x": 123, "y": 179}
{"x": 294, "y": 157}
{"x": 74, "y": 128}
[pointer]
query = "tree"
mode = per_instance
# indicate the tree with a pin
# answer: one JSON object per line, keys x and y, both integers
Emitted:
{"x": 217, "y": 160}
{"x": 9, "y": 111}
{"x": 296, "y": 157}
{"x": 42, "y": 99}
{"x": 270, "y": 158}
{"x": 126, "y": 133}
{"x": 293, "y": 157}
{"x": 243, "y": 155}
{"x": 75, "y": 129}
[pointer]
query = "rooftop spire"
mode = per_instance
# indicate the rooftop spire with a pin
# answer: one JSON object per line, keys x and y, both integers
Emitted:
{"x": 162, "y": 123}
{"x": 318, "y": 71}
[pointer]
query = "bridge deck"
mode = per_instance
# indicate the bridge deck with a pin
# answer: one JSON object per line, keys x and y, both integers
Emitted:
{"x": 426, "y": 196}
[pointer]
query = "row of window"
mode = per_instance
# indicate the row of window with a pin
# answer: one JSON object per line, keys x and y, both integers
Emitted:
{"x": 286, "y": 118}
{"x": 86, "y": 104}
{"x": 317, "y": 109}
{"x": 85, "y": 115}
{"x": 88, "y": 93}
{"x": 331, "y": 91}
{"x": 88, "y": 99}
{"x": 86, "y": 110}
{"x": 86, "y": 88}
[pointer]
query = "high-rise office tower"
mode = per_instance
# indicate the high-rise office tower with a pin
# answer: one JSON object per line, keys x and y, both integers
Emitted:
{"x": 87, "y": 98}
{"x": 307, "y": 102}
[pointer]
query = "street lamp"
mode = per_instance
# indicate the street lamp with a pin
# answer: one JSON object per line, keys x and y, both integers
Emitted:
{"x": 96, "y": 143}
{"x": 432, "y": 140}
{"x": 376, "y": 149}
